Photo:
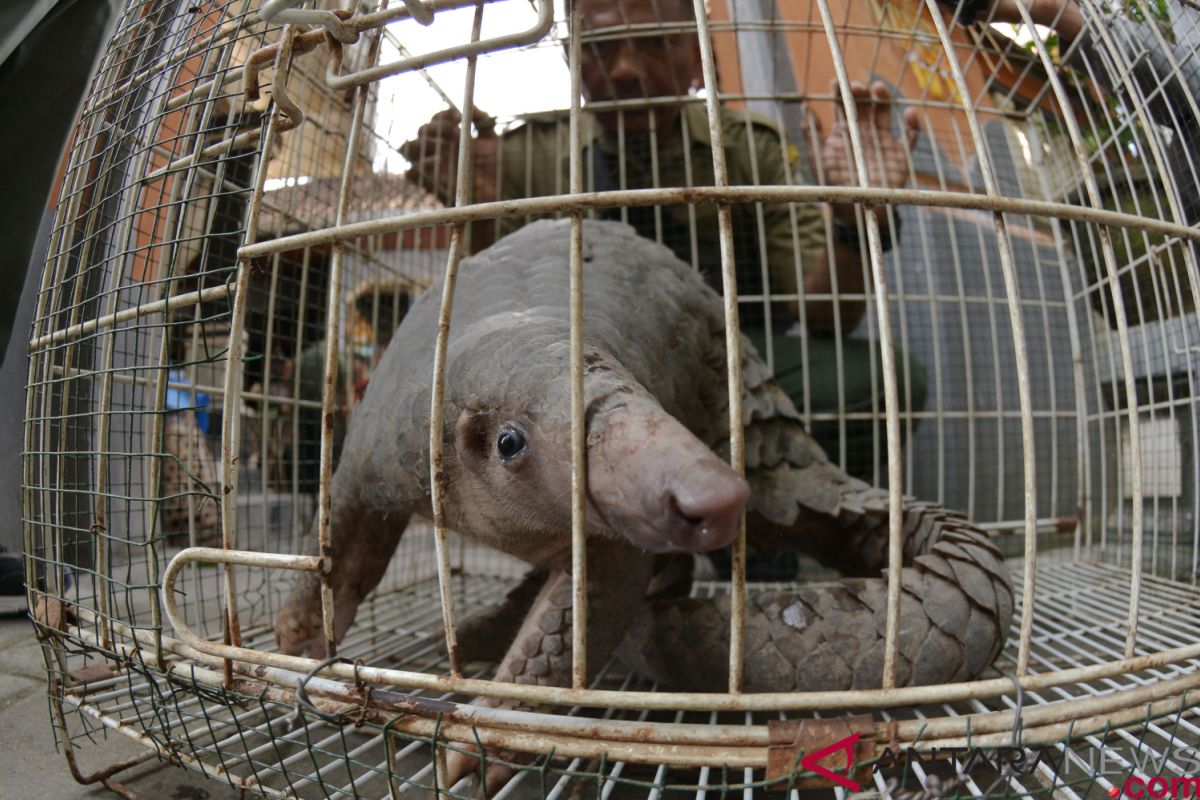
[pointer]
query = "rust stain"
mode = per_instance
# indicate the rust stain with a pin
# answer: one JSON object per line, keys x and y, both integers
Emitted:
{"x": 92, "y": 673}
{"x": 1066, "y": 524}
{"x": 791, "y": 739}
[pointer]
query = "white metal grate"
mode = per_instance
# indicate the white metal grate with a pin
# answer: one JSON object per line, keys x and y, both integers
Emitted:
{"x": 252, "y": 744}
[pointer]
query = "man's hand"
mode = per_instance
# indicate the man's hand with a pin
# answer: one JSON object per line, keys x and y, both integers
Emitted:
{"x": 886, "y": 154}
{"x": 434, "y": 155}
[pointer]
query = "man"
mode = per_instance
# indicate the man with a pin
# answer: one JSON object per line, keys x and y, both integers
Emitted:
{"x": 631, "y": 53}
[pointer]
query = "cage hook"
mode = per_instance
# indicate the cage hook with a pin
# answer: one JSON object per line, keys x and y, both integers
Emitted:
{"x": 334, "y": 45}
{"x": 283, "y": 69}
{"x": 284, "y": 12}
{"x": 1017, "y": 709}
{"x": 364, "y": 690}
{"x": 302, "y": 701}
{"x": 360, "y": 716}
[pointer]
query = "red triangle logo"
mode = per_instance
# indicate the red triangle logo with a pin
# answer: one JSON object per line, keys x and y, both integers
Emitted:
{"x": 809, "y": 762}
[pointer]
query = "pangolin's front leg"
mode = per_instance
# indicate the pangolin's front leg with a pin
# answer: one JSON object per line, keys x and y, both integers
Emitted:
{"x": 362, "y": 542}
{"x": 481, "y": 636}
{"x": 541, "y": 654}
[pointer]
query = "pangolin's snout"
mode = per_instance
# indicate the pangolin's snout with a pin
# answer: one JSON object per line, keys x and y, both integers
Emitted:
{"x": 702, "y": 506}
{"x": 659, "y": 486}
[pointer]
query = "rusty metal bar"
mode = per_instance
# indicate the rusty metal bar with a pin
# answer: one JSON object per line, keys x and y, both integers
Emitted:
{"x": 199, "y": 119}
{"x": 571, "y": 744}
{"x": 266, "y": 400}
{"x": 100, "y": 541}
{"x": 711, "y": 194}
{"x": 503, "y": 723}
{"x": 91, "y": 165}
{"x": 103, "y": 775}
{"x": 733, "y": 351}
{"x": 136, "y": 380}
{"x": 63, "y": 269}
{"x": 212, "y": 152}
{"x": 463, "y": 186}
{"x": 231, "y": 419}
{"x": 476, "y": 47}
{"x": 204, "y": 45}
{"x": 162, "y": 379}
{"x": 333, "y": 322}
{"x": 295, "y": 422}
{"x": 579, "y": 608}
{"x": 1020, "y": 346}
{"x": 34, "y": 437}
{"x": 765, "y": 701}
{"x": 109, "y": 320}
{"x": 100, "y": 500}
{"x": 1093, "y": 191}
{"x": 284, "y": 12}
{"x": 306, "y": 42}
{"x": 891, "y": 397}
{"x": 248, "y": 558}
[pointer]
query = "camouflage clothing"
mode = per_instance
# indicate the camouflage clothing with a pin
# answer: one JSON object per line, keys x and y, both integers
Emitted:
{"x": 534, "y": 161}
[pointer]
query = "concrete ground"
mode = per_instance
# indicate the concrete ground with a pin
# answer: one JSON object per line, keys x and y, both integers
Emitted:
{"x": 30, "y": 765}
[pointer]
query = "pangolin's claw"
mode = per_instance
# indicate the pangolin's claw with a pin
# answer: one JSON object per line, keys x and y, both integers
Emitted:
{"x": 462, "y": 764}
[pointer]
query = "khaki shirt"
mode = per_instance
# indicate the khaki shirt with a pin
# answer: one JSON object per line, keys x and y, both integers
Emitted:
{"x": 533, "y": 160}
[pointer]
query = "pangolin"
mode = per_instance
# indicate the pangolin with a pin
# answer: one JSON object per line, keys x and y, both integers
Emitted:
{"x": 658, "y": 482}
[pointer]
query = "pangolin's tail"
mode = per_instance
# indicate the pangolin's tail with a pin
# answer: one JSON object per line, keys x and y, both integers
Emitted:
{"x": 956, "y": 601}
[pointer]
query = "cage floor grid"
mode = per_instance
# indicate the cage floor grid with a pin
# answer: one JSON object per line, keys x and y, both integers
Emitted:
{"x": 1081, "y": 613}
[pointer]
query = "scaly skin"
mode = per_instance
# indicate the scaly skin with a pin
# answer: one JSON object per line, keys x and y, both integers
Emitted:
{"x": 541, "y": 653}
{"x": 655, "y": 356}
{"x": 955, "y": 611}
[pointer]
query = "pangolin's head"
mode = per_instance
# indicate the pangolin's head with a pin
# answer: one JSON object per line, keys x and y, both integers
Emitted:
{"x": 649, "y": 480}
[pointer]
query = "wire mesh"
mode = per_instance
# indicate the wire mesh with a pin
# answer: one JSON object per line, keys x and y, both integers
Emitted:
{"x": 246, "y": 213}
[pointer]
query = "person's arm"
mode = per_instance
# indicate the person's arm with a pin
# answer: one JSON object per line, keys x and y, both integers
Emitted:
{"x": 819, "y": 314}
{"x": 798, "y": 232}
{"x": 887, "y": 165}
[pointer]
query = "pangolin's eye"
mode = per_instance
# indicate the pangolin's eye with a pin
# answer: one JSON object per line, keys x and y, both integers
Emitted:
{"x": 510, "y": 443}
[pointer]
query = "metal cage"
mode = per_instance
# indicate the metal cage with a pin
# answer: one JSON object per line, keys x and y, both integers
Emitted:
{"x": 236, "y": 240}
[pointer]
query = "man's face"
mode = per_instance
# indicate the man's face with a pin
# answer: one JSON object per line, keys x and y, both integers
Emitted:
{"x": 639, "y": 63}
